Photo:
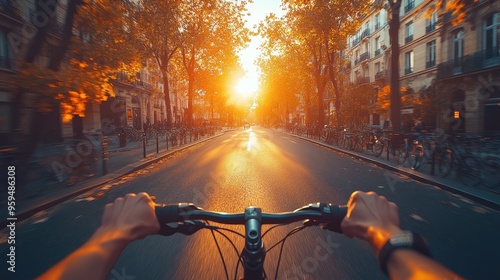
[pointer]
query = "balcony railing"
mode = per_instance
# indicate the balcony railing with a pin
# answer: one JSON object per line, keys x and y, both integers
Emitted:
{"x": 409, "y": 6}
{"x": 377, "y": 26}
{"x": 355, "y": 41}
{"x": 378, "y": 52}
{"x": 408, "y": 70}
{"x": 408, "y": 39}
{"x": 362, "y": 80}
{"x": 364, "y": 56}
{"x": 470, "y": 63}
{"x": 431, "y": 27}
{"x": 379, "y": 75}
{"x": 365, "y": 33}
{"x": 430, "y": 63}
{"x": 5, "y": 62}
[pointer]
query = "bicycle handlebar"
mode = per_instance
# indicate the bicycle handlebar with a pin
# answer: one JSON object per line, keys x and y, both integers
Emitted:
{"x": 327, "y": 216}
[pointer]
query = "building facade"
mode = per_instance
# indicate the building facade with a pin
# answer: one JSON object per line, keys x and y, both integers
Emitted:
{"x": 469, "y": 72}
{"x": 457, "y": 65}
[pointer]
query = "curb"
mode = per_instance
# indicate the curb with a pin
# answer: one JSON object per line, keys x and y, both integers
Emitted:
{"x": 94, "y": 183}
{"x": 423, "y": 178}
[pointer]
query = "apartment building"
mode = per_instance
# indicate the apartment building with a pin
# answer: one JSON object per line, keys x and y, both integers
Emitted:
{"x": 461, "y": 59}
{"x": 19, "y": 22}
{"x": 469, "y": 71}
{"x": 418, "y": 41}
{"x": 133, "y": 105}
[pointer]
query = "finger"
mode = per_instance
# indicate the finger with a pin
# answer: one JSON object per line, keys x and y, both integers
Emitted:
{"x": 117, "y": 207}
{"x": 106, "y": 215}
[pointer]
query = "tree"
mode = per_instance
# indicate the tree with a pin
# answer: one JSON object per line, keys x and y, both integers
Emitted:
{"x": 210, "y": 30}
{"x": 395, "y": 96}
{"x": 78, "y": 69}
{"x": 157, "y": 27}
{"x": 315, "y": 31}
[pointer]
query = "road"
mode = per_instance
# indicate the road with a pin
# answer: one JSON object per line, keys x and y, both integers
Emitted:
{"x": 279, "y": 173}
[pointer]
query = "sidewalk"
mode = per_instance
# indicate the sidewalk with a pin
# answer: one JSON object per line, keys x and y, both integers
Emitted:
{"x": 480, "y": 195}
{"x": 122, "y": 161}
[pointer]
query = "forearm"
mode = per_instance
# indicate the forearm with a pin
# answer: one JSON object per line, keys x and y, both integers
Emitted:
{"x": 408, "y": 264}
{"x": 93, "y": 260}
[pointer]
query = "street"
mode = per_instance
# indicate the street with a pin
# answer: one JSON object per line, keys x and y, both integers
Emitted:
{"x": 277, "y": 172}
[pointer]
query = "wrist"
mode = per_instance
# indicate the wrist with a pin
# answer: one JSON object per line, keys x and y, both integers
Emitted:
{"x": 111, "y": 239}
{"x": 378, "y": 237}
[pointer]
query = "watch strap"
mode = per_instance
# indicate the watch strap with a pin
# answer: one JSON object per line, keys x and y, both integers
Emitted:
{"x": 404, "y": 240}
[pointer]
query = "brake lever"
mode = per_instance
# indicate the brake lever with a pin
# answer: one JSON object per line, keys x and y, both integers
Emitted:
{"x": 187, "y": 227}
{"x": 328, "y": 212}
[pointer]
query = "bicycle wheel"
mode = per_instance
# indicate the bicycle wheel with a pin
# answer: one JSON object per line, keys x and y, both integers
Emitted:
{"x": 445, "y": 163}
{"x": 490, "y": 175}
{"x": 429, "y": 148}
{"x": 359, "y": 144}
{"x": 377, "y": 148}
{"x": 470, "y": 170}
{"x": 401, "y": 154}
{"x": 416, "y": 157}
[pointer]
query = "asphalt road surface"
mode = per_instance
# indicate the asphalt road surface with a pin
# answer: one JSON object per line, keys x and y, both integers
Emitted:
{"x": 278, "y": 173}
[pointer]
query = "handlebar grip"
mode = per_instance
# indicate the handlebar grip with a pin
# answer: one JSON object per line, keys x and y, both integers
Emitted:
{"x": 167, "y": 214}
{"x": 338, "y": 213}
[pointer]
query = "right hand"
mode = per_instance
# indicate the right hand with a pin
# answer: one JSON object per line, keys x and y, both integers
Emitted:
{"x": 372, "y": 218}
{"x": 133, "y": 216}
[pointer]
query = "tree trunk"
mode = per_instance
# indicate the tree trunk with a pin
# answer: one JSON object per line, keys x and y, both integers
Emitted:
{"x": 58, "y": 55}
{"x": 395, "y": 85}
{"x": 166, "y": 93}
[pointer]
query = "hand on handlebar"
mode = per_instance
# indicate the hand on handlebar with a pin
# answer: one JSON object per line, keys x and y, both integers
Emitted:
{"x": 132, "y": 215}
{"x": 372, "y": 218}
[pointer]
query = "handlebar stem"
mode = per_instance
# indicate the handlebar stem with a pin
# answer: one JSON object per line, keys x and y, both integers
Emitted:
{"x": 254, "y": 252}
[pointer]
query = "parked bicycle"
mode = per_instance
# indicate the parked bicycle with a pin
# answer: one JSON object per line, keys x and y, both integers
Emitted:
{"x": 456, "y": 156}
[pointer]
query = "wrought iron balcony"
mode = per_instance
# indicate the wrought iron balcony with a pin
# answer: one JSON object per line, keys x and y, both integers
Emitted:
{"x": 430, "y": 63}
{"x": 431, "y": 27}
{"x": 409, "y": 6}
{"x": 470, "y": 63}
{"x": 362, "y": 80}
{"x": 377, "y": 52}
{"x": 365, "y": 33}
{"x": 364, "y": 56}
{"x": 380, "y": 75}
{"x": 408, "y": 39}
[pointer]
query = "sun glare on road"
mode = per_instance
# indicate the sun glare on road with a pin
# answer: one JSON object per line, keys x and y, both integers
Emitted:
{"x": 252, "y": 139}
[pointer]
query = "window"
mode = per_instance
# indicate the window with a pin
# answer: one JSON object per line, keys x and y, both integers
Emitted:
{"x": 491, "y": 41}
{"x": 377, "y": 46}
{"x": 457, "y": 49}
{"x": 431, "y": 23}
{"x": 377, "y": 21}
{"x": 409, "y": 62}
{"x": 409, "y": 5}
{"x": 4, "y": 51}
{"x": 409, "y": 32}
{"x": 377, "y": 67}
{"x": 431, "y": 54}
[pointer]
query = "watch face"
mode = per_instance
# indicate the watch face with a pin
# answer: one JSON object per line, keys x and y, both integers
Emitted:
{"x": 402, "y": 239}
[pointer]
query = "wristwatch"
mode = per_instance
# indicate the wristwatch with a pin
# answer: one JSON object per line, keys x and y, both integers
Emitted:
{"x": 403, "y": 240}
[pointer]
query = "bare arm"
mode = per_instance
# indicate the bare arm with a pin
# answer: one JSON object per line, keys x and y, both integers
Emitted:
{"x": 127, "y": 219}
{"x": 374, "y": 219}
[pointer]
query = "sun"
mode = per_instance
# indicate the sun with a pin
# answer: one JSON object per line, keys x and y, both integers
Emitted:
{"x": 246, "y": 87}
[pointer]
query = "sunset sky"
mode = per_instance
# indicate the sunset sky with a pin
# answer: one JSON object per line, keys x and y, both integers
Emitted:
{"x": 258, "y": 10}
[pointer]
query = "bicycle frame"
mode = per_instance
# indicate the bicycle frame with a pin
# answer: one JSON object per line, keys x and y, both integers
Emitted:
{"x": 253, "y": 255}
